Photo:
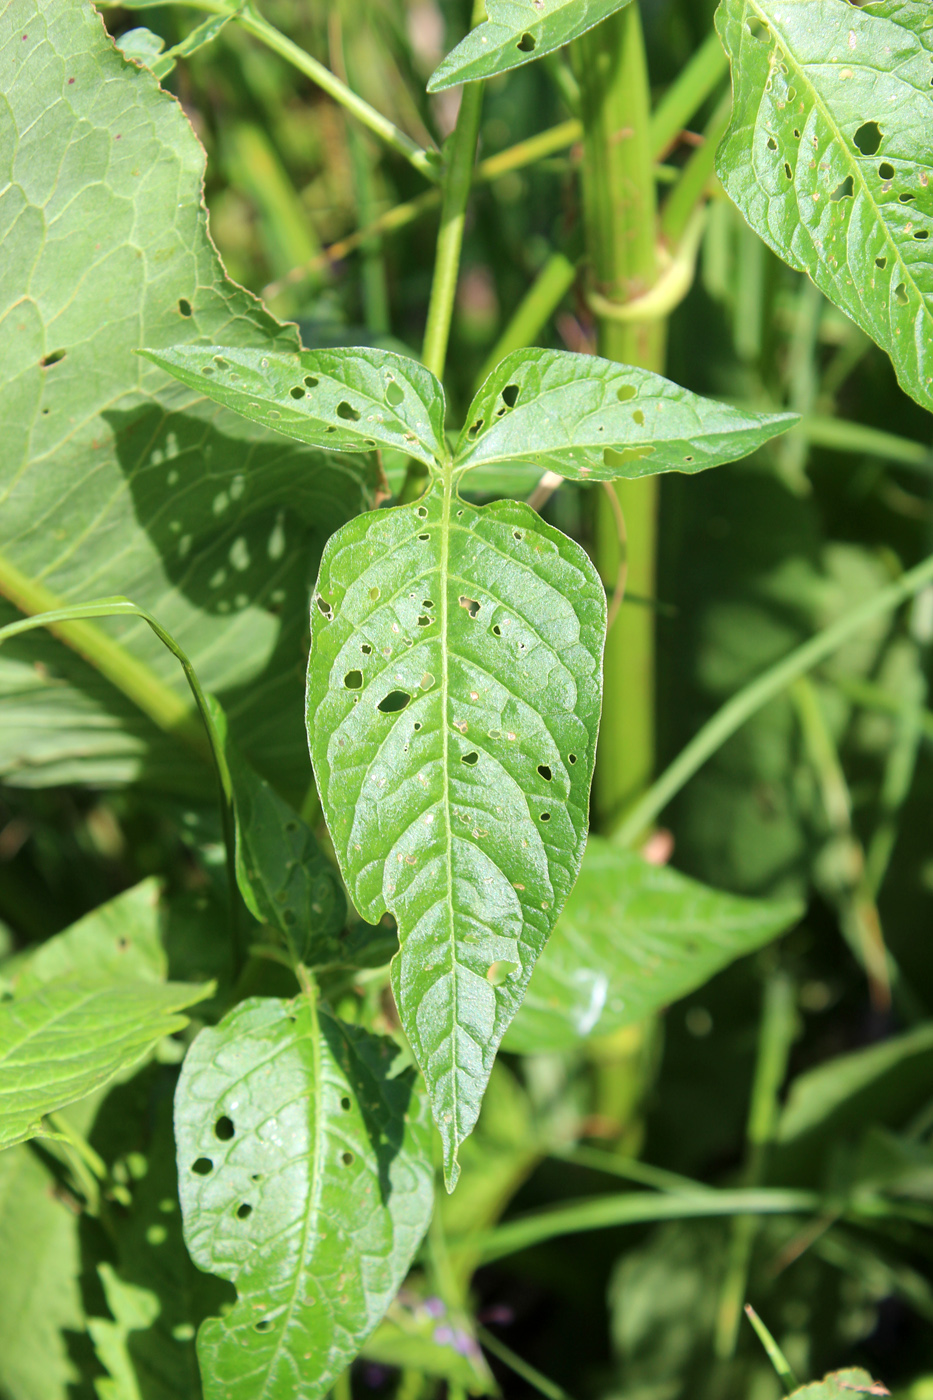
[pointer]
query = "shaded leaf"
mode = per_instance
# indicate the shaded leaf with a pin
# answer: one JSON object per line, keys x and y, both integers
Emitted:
{"x": 343, "y": 400}
{"x": 134, "y": 1309}
{"x": 841, "y": 1385}
{"x": 830, "y": 159}
{"x": 633, "y": 938}
{"x": 113, "y": 477}
{"x": 516, "y": 32}
{"x": 69, "y": 1038}
{"x": 306, "y": 1179}
{"x": 595, "y": 420}
{"x": 453, "y": 703}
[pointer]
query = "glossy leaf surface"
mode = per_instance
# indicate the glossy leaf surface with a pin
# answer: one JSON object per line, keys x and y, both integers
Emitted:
{"x": 343, "y": 400}
{"x": 830, "y": 158}
{"x": 453, "y": 704}
{"x": 633, "y": 938}
{"x": 594, "y": 420}
{"x": 113, "y": 477}
{"x": 516, "y": 32}
{"x": 306, "y": 1179}
{"x": 69, "y": 1038}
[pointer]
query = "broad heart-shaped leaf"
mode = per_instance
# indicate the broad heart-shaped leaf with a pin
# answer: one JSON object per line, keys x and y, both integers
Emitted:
{"x": 345, "y": 400}
{"x": 69, "y": 1038}
{"x": 113, "y": 477}
{"x": 453, "y": 703}
{"x": 594, "y": 420}
{"x": 633, "y": 938}
{"x": 830, "y": 158}
{"x": 516, "y": 32}
{"x": 306, "y": 1179}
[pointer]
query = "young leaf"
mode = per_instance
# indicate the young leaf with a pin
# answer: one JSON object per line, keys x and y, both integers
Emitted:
{"x": 453, "y": 702}
{"x": 516, "y": 32}
{"x": 342, "y": 400}
{"x": 306, "y": 1179}
{"x": 67, "y": 1039}
{"x": 633, "y": 938}
{"x": 594, "y": 420}
{"x": 830, "y": 158}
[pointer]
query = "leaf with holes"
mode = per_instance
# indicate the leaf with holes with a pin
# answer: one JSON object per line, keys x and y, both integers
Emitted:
{"x": 306, "y": 1179}
{"x": 633, "y": 938}
{"x": 516, "y": 32}
{"x": 594, "y": 420}
{"x": 66, "y": 1039}
{"x": 453, "y": 703}
{"x": 343, "y": 400}
{"x": 830, "y": 158}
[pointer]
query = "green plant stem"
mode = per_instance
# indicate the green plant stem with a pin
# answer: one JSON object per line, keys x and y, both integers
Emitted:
{"x": 629, "y": 1168}
{"x": 773, "y": 1351}
{"x": 841, "y": 436}
{"x": 548, "y": 1388}
{"x": 875, "y": 697}
{"x": 535, "y": 309}
{"x": 631, "y": 822}
{"x": 776, "y": 1036}
{"x": 689, "y": 91}
{"x": 690, "y": 190}
{"x": 900, "y": 768}
{"x": 620, "y": 222}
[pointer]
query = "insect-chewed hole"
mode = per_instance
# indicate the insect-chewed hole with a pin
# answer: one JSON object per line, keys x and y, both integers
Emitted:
{"x": 571, "y": 758}
{"x": 510, "y": 394}
{"x": 347, "y": 1159}
{"x": 611, "y": 458}
{"x": 922, "y": 235}
{"x": 427, "y": 602}
{"x": 500, "y": 972}
{"x": 639, "y": 418}
{"x": 184, "y": 306}
{"x": 422, "y": 538}
{"x": 224, "y": 1129}
{"x": 424, "y": 620}
{"x": 497, "y": 630}
{"x": 366, "y": 649}
{"x": 52, "y": 358}
{"x": 868, "y": 138}
{"x": 417, "y": 725}
{"x": 422, "y": 512}
{"x": 886, "y": 170}
{"x": 311, "y": 382}
{"x": 347, "y": 412}
{"x": 626, "y": 392}
{"x": 220, "y": 362}
{"x": 353, "y": 680}
{"x": 787, "y": 170}
{"x": 517, "y": 535}
{"x": 527, "y": 43}
{"x": 244, "y": 1211}
{"x": 475, "y": 427}
{"x": 470, "y": 759}
{"x": 544, "y": 817}
{"x": 759, "y": 30}
{"x": 394, "y": 395}
{"x": 881, "y": 262}
{"x": 688, "y": 460}
{"x": 374, "y": 594}
{"x": 264, "y": 1324}
{"x": 545, "y": 772}
{"x": 325, "y": 608}
{"x": 297, "y": 392}
{"x": 846, "y": 190}
{"x": 394, "y": 702}
{"x": 772, "y": 144}
{"x": 202, "y": 1167}
{"x": 345, "y": 1104}
{"x": 470, "y": 604}
{"x": 901, "y": 293}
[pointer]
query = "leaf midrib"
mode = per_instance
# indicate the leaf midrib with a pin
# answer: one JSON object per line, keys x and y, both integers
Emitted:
{"x": 448, "y": 825}
{"x": 855, "y": 165}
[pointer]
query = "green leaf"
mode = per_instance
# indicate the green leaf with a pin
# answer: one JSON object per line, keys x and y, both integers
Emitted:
{"x": 830, "y": 157}
{"x": 113, "y": 477}
{"x": 306, "y": 1179}
{"x": 134, "y": 1309}
{"x": 40, "y": 1291}
{"x": 69, "y": 1038}
{"x": 840, "y": 1385}
{"x": 119, "y": 941}
{"x": 633, "y": 938}
{"x": 142, "y": 45}
{"x": 453, "y": 702}
{"x": 594, "y": 420}
{"x": 319, "y": 396}
{"x": 516, "y": 32}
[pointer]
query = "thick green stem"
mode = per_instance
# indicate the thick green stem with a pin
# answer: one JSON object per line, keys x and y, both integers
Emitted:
{"x": 620, "y": 218}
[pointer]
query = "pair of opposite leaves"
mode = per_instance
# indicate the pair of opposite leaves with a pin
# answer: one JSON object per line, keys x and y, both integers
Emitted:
{"x": 454, "y": 684}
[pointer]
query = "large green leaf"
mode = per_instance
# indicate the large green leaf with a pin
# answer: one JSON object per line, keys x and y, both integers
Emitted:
{"x": 320, "y": 396}
{"x": 830, "y": 158}
{"x": 306, "y": 1179}
{"x": 119, "y": 941}
{"x": 453, "y": 703}
{"x": 594, "y": 420}
{"x": 68, "y": 1038}
{"x": 633, "y": 938}
{"x": 113, "y": 478}
{"x": 516, "y": 32}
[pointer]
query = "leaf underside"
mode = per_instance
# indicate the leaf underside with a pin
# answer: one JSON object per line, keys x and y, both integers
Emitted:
{"x": 453, "y": 705}
{"x": 830, "y": 158}
{"x": 516, "y": 32}
{"x": 306, "y": 1179}
{"x": 633, "y": 938}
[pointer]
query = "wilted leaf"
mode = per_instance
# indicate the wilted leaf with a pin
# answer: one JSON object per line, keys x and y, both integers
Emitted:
{"x": 633, "y": 938}
{"x": 453, "y": 703}
{"x": 830, "y": 158}
{"x": 516, "y": 32}
{"x": 306, "y": 1179}
{"x": 594, "y": 420}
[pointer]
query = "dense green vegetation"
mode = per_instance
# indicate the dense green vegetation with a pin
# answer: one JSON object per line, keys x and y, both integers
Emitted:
{"x": 577, "y": 992}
